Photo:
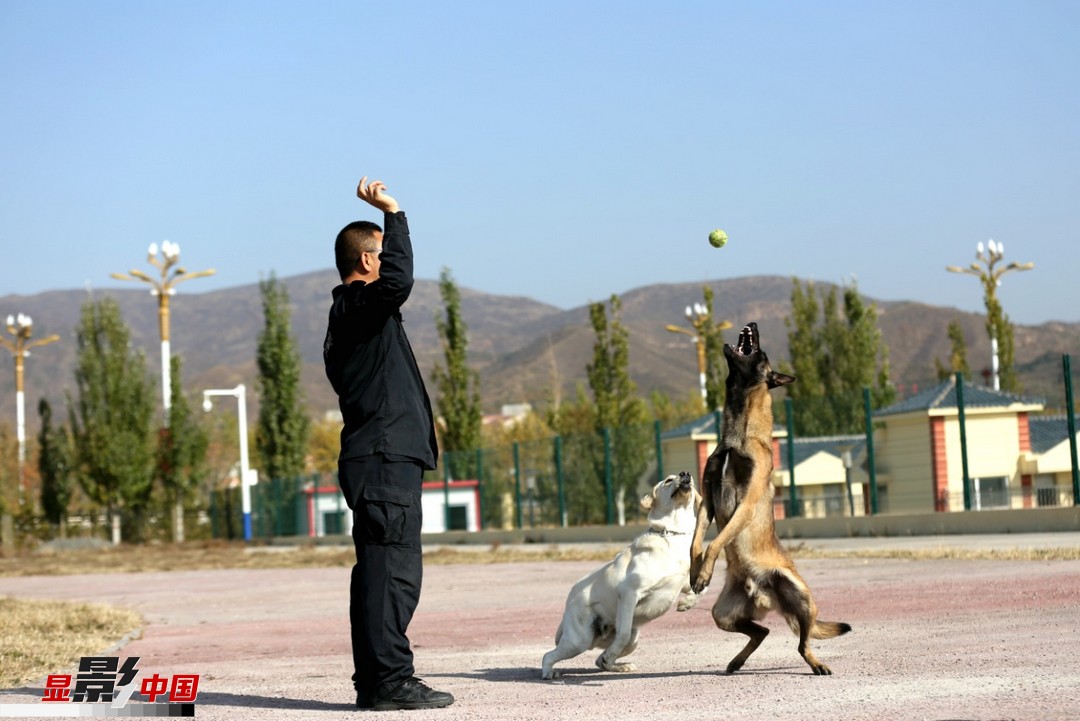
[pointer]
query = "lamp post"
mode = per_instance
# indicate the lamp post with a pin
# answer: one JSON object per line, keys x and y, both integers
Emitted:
{"x": 240, "y": 393}
{"x": 21, "y": 328}
{"x": 163, "y": 287}
{"x": 699, "y": 318}
{"x": 989, "y": 274}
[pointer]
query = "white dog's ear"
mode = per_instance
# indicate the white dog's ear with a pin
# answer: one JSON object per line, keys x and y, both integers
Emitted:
{"x": 646, "y": 502}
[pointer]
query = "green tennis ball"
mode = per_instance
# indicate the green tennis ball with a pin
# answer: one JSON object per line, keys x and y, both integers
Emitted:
{"x": 718, "y": 238}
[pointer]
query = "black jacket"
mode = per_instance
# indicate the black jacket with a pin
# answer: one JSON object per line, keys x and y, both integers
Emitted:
{"x": 371, "y": 365}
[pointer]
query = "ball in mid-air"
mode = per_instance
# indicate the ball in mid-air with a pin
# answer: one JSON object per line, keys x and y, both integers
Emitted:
{"x": 718, "y": 238}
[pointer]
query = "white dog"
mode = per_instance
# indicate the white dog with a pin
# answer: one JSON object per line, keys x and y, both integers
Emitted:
{"x": 606, "y": 608}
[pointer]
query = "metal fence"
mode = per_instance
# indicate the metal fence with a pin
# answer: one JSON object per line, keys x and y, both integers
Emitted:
{"x": 594, "y": 478}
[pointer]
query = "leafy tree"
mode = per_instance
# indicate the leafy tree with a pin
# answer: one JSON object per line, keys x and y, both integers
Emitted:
{"x": 863, "y": 357}
{"x": 9, "y": 469}
{"x": 834, "y": 357}
{"x": 618, "y": 407}
{"x": 223, "y": 466}
{"x": 672, "y": 413}
{"x": 804, "y": 342}
{"x": 324, "y": 446}
{"x": 582, "y": 458}
{"x": 459, "y": 394}
{"x": 181, "y": 451}
{"x": 539, "y": 482}
{"x": 54, "y": 465}
{"x": 111, "y": 418}
{"x": 281, "y": 437}
{"x": 958, "y": 362}
{"x": 998, "y": 326}
{"x": 712, "y": 333}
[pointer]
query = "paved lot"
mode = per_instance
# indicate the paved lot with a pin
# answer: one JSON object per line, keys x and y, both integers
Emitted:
{"x": 932, "y": 640}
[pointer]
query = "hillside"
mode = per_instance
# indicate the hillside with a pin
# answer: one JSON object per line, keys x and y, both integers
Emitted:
{"x": 523, "y": 349}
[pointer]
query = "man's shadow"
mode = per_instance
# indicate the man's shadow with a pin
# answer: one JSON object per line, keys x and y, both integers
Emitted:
{"x": 240, "y": 700}
{"x": 210, "y": 698}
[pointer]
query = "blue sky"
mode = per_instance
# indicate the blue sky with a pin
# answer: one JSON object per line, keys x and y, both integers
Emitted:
{"x": 563, "y": 151}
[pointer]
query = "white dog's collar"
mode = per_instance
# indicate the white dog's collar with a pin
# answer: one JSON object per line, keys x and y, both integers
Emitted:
{"x": 666, "y": 532}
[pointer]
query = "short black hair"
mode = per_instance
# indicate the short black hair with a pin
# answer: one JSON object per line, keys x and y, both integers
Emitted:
{"x": 355, "y": 238}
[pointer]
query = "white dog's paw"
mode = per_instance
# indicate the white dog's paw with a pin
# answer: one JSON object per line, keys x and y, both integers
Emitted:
{"x": 549, "y": 674}
{"x": 604, "y": 664}
{"x": 689, "y": 600}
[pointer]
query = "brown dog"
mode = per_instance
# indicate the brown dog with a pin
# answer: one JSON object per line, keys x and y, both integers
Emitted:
{"x": 738, "y": 493}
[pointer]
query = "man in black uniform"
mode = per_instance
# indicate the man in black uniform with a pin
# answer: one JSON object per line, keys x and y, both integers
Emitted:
{"x": 386, "y": 444}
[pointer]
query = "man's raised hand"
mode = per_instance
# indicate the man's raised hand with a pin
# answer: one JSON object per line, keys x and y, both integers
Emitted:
{"x": 375, "y": 194}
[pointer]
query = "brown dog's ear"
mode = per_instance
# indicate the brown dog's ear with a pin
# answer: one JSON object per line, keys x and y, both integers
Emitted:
{"x": 775, "y": 380}
{"x": 646, "y": 502}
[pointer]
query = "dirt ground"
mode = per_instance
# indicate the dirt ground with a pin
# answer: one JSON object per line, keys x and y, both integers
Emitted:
{"x": 933, "y": 639}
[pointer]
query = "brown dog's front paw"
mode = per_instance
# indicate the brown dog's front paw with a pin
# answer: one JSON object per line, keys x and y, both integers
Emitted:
{"x": 701, "y": 582}
{"x": 700, "y": 574}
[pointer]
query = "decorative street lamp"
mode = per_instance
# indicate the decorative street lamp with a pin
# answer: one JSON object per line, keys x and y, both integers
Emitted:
{"x": 990, "y": 277}
{"x": 246, "y": 473}
{"x": 698, "y": 315}
{"x": 21, "y": 328}
{"x": 163, "y": 287}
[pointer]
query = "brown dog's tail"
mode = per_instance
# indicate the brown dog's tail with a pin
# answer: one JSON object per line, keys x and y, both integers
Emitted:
{"x": 828, "y": 629}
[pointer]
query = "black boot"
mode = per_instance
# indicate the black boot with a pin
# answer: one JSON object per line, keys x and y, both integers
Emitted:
{"x": 410, "y": 694}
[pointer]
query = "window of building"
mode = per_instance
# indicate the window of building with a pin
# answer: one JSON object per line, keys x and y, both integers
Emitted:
{"x": 992, "y": 492}
{"x": 1046, "y": 491}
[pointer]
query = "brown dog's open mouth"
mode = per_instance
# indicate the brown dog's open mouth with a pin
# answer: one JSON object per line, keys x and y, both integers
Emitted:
{"x": 748, "y": 340}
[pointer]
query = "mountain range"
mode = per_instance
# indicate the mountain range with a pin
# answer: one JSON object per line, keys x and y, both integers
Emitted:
{"x": 524, "y": 350}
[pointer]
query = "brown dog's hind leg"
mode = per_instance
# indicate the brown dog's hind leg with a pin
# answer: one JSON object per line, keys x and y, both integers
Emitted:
{"x": 733, "y": 612}
{"x": 757, "y": 634}
{"x": 798, "y": 607}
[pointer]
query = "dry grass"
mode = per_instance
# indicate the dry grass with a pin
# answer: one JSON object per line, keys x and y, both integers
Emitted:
{"x": 42, "y": 637}
{"x": 220, "y": 555}
{"x": 168, "y": 557}
{"x": 200, "y": 556}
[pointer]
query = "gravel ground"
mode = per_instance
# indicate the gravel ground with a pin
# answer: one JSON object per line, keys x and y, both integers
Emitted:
{"x": 933, "y": 639}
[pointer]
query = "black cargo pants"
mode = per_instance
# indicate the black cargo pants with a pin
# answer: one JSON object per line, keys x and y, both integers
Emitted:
{"x": 384, "y": 496}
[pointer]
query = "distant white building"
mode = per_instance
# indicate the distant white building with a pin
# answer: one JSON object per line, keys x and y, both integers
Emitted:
{"x": 327, "y": 514}
{"x": 508, "y": 415}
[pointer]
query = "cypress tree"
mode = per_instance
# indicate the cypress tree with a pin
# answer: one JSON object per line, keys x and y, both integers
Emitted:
{"x": 54, "y": 466}
{"x": 181, "y": 451}
{"x": 715, "y": 365}
{"x": 836, "y": 350}
{"x": 958, "y": 362}
{"x": 458, "y": 385}
{"x": 281, "y": 437}
{"x": 618, "y": 407}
